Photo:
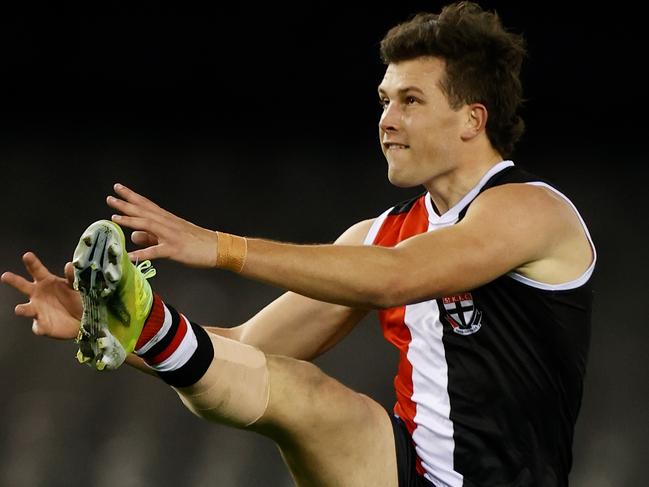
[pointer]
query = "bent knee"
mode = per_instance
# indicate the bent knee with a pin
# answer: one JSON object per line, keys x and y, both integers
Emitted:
{"x": 306, "y": 401}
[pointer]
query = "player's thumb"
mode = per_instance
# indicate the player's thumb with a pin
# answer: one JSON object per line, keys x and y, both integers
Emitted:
{"x": 68, "y": 270}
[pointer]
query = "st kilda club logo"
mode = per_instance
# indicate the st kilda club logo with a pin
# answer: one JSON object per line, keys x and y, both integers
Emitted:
{"x": 461, "y": 314}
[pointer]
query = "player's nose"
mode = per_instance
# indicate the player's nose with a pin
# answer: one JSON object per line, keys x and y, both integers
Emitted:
{"x": 390, "y": 118}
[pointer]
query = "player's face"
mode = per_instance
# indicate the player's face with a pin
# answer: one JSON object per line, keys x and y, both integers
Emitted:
{"x": 418, "y": 130}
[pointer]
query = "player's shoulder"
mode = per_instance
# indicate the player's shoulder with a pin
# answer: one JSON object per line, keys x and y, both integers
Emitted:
{"x": 520, "y": 199}
{"x": 515, "y": 190}
{"x": 531, "y": 209}
{"x": 519, "y": 195}
{"x": 355, "y": 235}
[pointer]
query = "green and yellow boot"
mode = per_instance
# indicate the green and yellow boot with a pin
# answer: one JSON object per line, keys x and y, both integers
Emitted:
{"x": 115, "y": 293}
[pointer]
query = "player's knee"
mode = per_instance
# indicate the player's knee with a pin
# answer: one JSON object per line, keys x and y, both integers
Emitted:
{"x": 304, "y": 400}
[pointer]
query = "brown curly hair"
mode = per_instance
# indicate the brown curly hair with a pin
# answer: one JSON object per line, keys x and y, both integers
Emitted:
{"x": 483, "y": 63}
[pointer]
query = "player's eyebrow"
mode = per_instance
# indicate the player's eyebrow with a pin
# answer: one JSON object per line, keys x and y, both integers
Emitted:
{"x": 402, "y": 91}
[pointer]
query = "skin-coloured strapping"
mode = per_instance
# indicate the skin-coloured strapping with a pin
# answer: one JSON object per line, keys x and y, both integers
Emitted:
{"x": 231, "y": 251}
{"x": 235, "y": 388}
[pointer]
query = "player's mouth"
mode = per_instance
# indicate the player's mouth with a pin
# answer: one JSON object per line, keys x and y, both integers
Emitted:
{"x": 392, "y": 146}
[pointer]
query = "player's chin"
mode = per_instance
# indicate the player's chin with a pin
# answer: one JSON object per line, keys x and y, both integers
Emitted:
{"x": 399, "y": 178}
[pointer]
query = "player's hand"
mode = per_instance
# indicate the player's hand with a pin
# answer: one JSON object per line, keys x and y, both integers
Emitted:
{"x": 161, "y": 233}
{"x": 54, "y": 306}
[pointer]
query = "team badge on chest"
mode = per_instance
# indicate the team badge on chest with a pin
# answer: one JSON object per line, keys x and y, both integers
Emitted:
{"x": 461, "y": 313}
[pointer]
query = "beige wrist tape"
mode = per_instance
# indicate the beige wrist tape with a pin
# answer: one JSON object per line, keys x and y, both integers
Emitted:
{"x": 231, "y": 251}
{"x": 235, "y": 389}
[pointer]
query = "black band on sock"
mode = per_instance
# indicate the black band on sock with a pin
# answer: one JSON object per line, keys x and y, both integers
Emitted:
{"x": 196, "y": 366}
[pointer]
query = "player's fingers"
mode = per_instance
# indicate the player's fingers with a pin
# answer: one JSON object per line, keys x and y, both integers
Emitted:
{"x": 131, "y": 209}
{"x": 133, "y": 197}
{"x": 26, "y": 309}
{"x": 17, "y": 282}
{"x": 136, "y": 223}
{"x": 35, "y": 267}
{"x": 143, "y": 239}
{"x": 150, "y": 253}
{"x": 137, "y": 199}
{"x": 68, "y": 270}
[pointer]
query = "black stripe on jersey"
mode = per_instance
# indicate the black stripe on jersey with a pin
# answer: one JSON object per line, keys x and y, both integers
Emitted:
{"x": 196, "y": 366}
{"x": 515, "y": 386}
{"x": 511, "y": 174}
{"x": 404, "y": 206}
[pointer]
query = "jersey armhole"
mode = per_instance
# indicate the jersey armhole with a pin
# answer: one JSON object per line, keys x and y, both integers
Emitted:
{"x": 575, "y": 283}
{"x": 376, "y": 226}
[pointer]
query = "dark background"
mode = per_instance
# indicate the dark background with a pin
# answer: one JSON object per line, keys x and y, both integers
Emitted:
{"x": 262, "y": 121}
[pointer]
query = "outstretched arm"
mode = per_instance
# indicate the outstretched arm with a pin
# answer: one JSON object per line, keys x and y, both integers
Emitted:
{"x": 511, "y": 227}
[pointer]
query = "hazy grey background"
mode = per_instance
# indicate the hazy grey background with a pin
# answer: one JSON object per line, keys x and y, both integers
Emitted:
{"x": 262, "y": 122}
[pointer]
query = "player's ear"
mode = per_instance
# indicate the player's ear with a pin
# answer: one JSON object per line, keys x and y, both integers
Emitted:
{"x": 475, "y": 120}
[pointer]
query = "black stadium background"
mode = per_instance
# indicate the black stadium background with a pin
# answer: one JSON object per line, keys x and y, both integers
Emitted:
{"x": 262, "y": 121}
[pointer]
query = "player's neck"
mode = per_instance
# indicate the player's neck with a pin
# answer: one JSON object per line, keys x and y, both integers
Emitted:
{"x": 447, "y": 189}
